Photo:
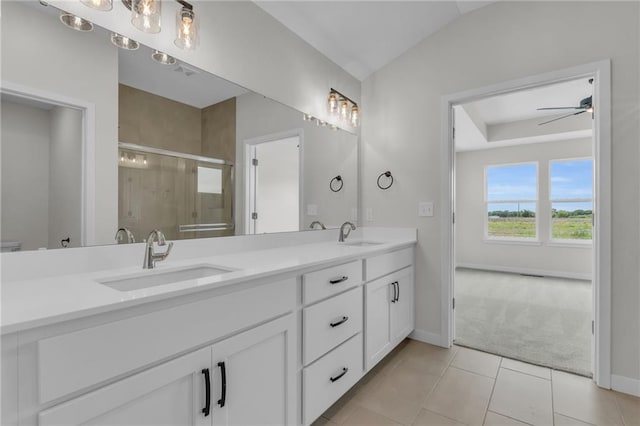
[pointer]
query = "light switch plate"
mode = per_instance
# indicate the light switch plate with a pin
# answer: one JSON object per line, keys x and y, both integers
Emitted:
{"x": 312, "y": 210}
{"x": 425, "y": 209}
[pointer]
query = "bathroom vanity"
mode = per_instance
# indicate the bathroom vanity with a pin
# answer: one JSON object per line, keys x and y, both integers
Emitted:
{"x": 285, "y": 326}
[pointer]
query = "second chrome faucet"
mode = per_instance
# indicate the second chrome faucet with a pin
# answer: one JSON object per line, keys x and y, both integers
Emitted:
{"x": 150, "y": 257}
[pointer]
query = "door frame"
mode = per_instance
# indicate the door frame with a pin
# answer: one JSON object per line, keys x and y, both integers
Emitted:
{"x": 88, "y": 172}
{"x": 252, "y": 142}
{"x": 601, "y": 267}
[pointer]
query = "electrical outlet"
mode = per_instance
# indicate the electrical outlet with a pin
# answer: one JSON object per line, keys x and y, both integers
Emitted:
{"x": 425, "y": 209}
{"x": 369, "y": 212}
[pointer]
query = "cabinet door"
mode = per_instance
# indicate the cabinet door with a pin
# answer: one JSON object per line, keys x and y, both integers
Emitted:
{"x": 403, "y": 309}
{"x": 377, "y": 323}
{"x": 172, "y": 393}
{"x": 254, "y": 376}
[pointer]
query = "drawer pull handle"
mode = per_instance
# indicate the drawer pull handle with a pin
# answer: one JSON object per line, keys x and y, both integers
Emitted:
{"x": 337, "y": 323}
{"x": 338, "y": 280}
{"x": 339, "y": 376}
{"x": 223, "y": 378}
{"x": 395, "y": 292}
{"x": 398, "y": 287}
{"x": 207, "y": 388}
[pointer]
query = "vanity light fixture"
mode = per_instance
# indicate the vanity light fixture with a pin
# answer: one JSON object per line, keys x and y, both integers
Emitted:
{"x": 104, "y": 5}
{"x": 346, "y": 109}
{"x": 187, "y": 37}
{"x": 75, "y": 22}
{"x": 162, "y": 58}
{"x": 146, "y": 15}
{"x": 124, "y": 42}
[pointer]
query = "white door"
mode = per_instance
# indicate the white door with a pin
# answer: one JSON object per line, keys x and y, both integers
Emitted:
{"x": 377, "y": 324}
{"x": 173, "y": 393}
{"x": 254, "y": 376}
{"x": 402, "y": 305}
{"x": 274, "y": 186}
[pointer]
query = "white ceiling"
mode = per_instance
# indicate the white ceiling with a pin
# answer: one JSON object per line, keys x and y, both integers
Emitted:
{"x": 364, "y": 36}
{"x": 513, "y": 119}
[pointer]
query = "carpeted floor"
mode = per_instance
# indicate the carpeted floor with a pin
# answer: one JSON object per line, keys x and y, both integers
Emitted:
{"x": 544, "y": 321}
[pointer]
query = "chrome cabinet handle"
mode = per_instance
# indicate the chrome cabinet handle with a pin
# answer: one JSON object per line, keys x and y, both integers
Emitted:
{"x": 337, "y": 323}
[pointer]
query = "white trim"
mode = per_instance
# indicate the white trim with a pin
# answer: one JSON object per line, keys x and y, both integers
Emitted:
{"x": 248, "y": 155}
{"x": 528, "y": 271}
{"x": 625, "y": 385}
{"x": 427, "y": 337}
{"x": 88, "y": 171}
{"x": 512, "y": 241}
{"x": 601, "y": 71}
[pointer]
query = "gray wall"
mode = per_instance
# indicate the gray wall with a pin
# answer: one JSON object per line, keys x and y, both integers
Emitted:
{"x": 504, "y": 41}
{"x": 471, "y": 247}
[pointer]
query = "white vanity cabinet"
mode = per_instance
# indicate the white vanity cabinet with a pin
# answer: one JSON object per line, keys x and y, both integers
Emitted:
{"x": 389, "y": 304}
{"x": 211, "y": 386}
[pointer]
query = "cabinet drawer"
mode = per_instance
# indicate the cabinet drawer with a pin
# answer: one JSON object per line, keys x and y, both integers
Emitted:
{"x": 330, "y": 323}
{"x": 389, "y": 262}
{"x": 324, "y": 382}
{"x": 320, "y": 284}
{"x": 73, "y": 361}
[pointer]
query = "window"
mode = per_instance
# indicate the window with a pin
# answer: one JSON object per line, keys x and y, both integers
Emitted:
{"x": 511, "y": 201}
{"x": 571, "y": 196}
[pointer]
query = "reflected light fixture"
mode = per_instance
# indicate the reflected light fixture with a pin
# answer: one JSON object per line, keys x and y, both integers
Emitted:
{"x": 146, "y": 15}
{"x": 187, "y": 34}
{"x": 124, "y": 42}
{"x": 75, "y": 22}
{"x": 162, "y": 58}
{"x": 104, "y": 5}
{"x": 343, "y": 107}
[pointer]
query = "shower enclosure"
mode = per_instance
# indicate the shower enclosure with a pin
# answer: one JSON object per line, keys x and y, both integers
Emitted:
{"x": 183, "y": 195}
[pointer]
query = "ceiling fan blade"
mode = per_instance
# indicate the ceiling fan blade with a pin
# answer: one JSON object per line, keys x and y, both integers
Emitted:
{"x": 560, "y": 118}
{"x": 542, "y": 109}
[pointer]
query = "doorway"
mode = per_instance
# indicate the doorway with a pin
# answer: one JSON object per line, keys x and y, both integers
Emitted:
{"x": 600, "y": 256}
{"x": 274, "y": 184}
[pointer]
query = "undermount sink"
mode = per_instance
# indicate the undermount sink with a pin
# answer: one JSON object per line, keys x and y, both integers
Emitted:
{"x": 360, "y": 243}
{"x": 157, "y": 278}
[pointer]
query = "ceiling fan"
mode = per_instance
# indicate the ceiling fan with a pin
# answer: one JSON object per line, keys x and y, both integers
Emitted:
{"x": 585, "y": 105}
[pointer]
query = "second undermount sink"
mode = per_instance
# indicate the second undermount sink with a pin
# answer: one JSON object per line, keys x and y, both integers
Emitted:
{"x": 157, "y": 278}
{"x": 360, "y": 243}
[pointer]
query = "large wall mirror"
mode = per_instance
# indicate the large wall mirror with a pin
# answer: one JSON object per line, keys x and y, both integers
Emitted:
{"x": 97, "y": 138}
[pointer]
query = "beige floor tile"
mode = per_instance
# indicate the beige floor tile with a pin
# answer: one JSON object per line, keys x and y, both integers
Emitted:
{"x": 341, "y": 409}
{"x": 495, "y": 419}
{"x": 522, "y": 397}
{"x": 461, "y": 395}
{"x": 629, "y": 408}
{"x": 428, "y": 358}
{"x": 579, "y": 398}
{"x": 399, "y": 396}
{"x": 323, "y": 422}
{"x": 477, "y": 362}
{"x": 523, "y": 367}
{"x": 363, "y": 417}
{"x": 560, "y": 420}
{"x": 429, "y": 418}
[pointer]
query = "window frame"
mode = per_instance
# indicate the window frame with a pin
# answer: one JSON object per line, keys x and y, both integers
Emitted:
{"x": 567, "y": 241}
{"x": 512, "y": 240}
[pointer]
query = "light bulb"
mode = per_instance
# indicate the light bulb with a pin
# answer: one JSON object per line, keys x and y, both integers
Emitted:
{"x": 187, "y": 29}
{"x": 355, "y": 116}
{"x": 332, "y": 103}
{"x": 146, "y": 15}
{"x": 344, "y": 110}
{"x": 103, "y": 5}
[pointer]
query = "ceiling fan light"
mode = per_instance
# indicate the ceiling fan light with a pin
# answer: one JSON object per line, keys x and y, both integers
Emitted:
{"x": 124, "y": 42}
{"x": 103, "y": 5}
{"x": 146, "y": 15}
{"x": 162, "y": 58}
{"x": 75, "y": 22}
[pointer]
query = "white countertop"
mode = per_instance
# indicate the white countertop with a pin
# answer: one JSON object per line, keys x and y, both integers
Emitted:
{"x": 44, "y": 301}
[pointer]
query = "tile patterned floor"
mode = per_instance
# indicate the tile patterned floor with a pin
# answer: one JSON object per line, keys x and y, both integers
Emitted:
{"x": 421, "y": 384}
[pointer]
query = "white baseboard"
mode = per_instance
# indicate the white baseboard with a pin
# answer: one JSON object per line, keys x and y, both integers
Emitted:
{"x": 426, "y": 337}
{"x": 625, "y": 385}
{"x": 517, "y": 270}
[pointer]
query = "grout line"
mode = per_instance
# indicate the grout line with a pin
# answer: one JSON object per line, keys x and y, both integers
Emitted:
{"x": 529, "y": 374}
{"x": 493, "y": 388}
{"x": 572, "y": 418}
{"x": 553, "y": 409}
{"x": 509, "y": 417}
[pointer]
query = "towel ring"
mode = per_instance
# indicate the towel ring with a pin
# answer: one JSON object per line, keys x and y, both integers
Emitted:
{"x": 388, "y": 175}
{"x": 335, "y": 187}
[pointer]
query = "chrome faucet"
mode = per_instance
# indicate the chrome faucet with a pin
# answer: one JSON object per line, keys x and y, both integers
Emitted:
{"x": 350, "y": 227}
{"x": 127, "y": 233}
{"x": 150, "y": 258}
{"x": 317, "y": 222}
